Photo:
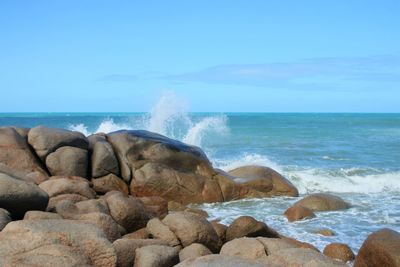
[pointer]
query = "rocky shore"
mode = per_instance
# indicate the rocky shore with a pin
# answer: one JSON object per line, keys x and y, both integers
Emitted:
{"x": 120, "y": 199}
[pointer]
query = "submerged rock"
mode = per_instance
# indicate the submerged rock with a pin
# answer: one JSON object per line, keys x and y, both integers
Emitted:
{"x": 297, "y": 213}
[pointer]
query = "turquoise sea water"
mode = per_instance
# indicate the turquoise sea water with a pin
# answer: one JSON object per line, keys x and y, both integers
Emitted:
{"x": 355, "y": 156}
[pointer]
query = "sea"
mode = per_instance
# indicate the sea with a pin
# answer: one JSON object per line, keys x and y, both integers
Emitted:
{"x": 352, "y": 155}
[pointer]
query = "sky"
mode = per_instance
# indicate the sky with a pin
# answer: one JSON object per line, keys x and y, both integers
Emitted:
{"x": 220, "y": 55}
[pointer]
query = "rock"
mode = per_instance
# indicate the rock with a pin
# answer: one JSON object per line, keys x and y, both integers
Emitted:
{"x": 125, "y": 249}
{"x": 220, "y": 229}
{"x": 247, "y": 248}
{"x": 53, "y": 201}
{"x": 139, "y": 234}
{"x": 246, "y": 226}
{"x": 155, "y": 179}
{"x": 193, "y": 251}
{"x": 381, "y": 248}
{"x": 103, "y": 159}
{"x": 68, "y": 161}
{"x": 265, "y": 180}
{"x": 136, "y": 148}
{"x": 127, "y": 211}
{"x": 18, "y": 196}
{"x": 339, "y": 251}
{"x": 17, "y": 159}
{"x": 93, "y": 205}
{"x": 5, "y": 218}
{"x": 175, "y": 206}
{"x": 325, "y": 232}
{"x": 49, "y": 256}
{"x": 220, "y": 261}
{"x": 200, "y": 212}
{"x": 41, "y": 215}
{"x": 156, "y": 206}
{"x": 67, "y": 185}
{"x": 47, "y": 140}
{"x": 109, "y": 183}
{"x": 300, "y": 257}
{"x": 104, "y": 222}
{"x": 274, "y": 245}
{"x": 158, "y": 230}
{"x": 24, "y": 238}
{"x": 298, "y": 244}
{"x": 156, "y": 256}
{"x": 191, "y": 228}
{"x": 297, "y": 213}
{"x": 322, "y": 202}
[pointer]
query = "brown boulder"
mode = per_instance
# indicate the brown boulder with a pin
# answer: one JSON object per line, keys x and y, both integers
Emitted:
{"x": 18, "y": 196}
{"x": 158, "y": 230}
{"x": 246, "y": 226}
{"x": 220, "y": 229}
{"x": 26, "y": 236}
{"x": 74, "y": 198}
{"x": 127, "y": 211}
{"x": 191, "y": 228}
{"x": 5, "y": 218}
{"x": 103, "y": 159}
{"x": 47, "y": 140}
{"x": 104, "y": 222}
{"x": 381, "y": 248}
{"x": 109, "y": 183}
{"x": 67, "y": 185}
{"x": 247, "y": 248}
{"x": 265, "y": 180}
{"x": 339, "y": 251}
{"x": 68, "y": 161}
{"x": 136, "y": 148}
{"x": 175, "y": 206}
{"x": 17, "y": 159}
{"x": 93, "y": 205}
{"x": 220, "y": 261}
{"x": 156, "y": 256}
{"x": 322, "y": 202}
{"x": 325, "y": 232}
{"x": 139, "y": 234}
{"x": 125, "y": 249}
{"x": 156, "y": 206}
{"x": 193, "y": 251}
{"x": 297, "y": 213}
{"x": 41, "y": 215}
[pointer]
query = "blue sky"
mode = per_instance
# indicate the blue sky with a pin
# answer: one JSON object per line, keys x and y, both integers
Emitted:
{"x": 260, "y": 56}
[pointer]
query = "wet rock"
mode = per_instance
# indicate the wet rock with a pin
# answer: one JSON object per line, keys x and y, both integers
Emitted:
{"x": 297, "y": 213}
{"x": 246, "y": 226}
{"x": 18, "y": 196}
{"x": 265, "y": 180}
{"x": 193, "y": 251}
{"x": 381, "y": 248}
{"x": 47, "y": 140}
{"x": 325, "y": 232}
{"x": 68, "y": 161}
{"x": 323, "y": 202}
{"x": 109, "y": 183}
{"x": 17, "y": 159}
{"x": 156, "y": 256}
{"x": 339, "y": 251}
{"x": 191, "y": 228}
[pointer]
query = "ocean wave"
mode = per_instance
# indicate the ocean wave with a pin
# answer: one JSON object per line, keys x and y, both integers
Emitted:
{"x": 310, "y": 180}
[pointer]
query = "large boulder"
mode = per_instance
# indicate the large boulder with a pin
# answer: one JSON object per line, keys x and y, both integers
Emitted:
{"x": 21, "y": 240}
{"x": 297, "y": 213}
{"x": 323, "y": 202}
{"x": 246, "y": 226}
{"x": 159, "y": 230}
{"x": 41, "y": 215}
{"x": 104, "y": 222}
{"x": 18, "y": 196}
{"x": 157, "y": 206}
{"x": 126, "y": 249}
{"x": 339, "y": 251}
{"x": 47, "y": 140}
{"x": 17, "y": 159}
{"x": 220, "y": 261}
{"x": 247, "y": 248}
{"x": 127, "y": 211}
{"x": 156, "y": 256}
{"x": 265, "y": 180}
{"x": 136, "y": 148}
{"x": 381, "y": 248}
{"x": 109, "y": 183}
{"x": 5, "y": 218}
{"x": 191, "y": 228}
{"x": 103, "y": 159}
{"x": 67, "y": 185}
{"x": 68, "y": 161}
{"x": 54, "y": 201}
